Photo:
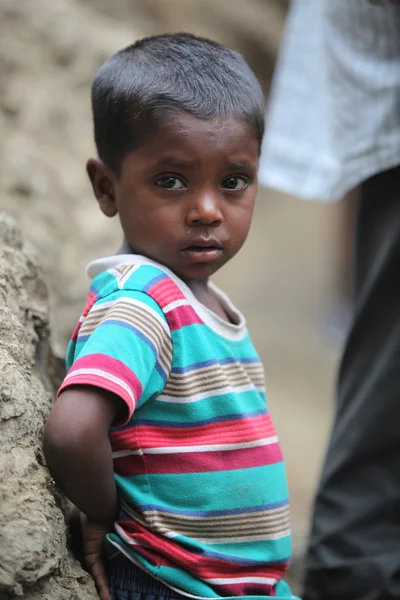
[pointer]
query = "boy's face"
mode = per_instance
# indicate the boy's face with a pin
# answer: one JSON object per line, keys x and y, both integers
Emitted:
{"x": 185, "y": 197}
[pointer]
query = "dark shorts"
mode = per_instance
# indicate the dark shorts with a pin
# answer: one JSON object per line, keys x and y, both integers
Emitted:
{"x": 129, "y": 582}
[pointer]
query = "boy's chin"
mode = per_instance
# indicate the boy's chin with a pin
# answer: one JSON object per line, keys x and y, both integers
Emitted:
{"x": 196, "y": 272}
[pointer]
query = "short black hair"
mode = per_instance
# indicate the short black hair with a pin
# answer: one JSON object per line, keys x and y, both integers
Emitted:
{"x": 165, "y": 72}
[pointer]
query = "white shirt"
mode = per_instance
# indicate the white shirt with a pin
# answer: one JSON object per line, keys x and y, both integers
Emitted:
{"x": 334, "y": 113}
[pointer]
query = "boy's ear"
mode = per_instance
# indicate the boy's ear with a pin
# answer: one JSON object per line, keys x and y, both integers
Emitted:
{"x": 102, "y": 181}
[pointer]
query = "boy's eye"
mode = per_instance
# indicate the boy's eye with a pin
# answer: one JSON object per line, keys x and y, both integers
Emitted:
{"x": 235, "y": 183}
{"x": 170, "y": 182}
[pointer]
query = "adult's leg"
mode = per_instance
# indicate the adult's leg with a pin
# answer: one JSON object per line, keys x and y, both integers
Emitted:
{"x": 354, "y": 548}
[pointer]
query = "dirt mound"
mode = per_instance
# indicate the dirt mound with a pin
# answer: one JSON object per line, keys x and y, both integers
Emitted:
{"x": 34, "y": 560}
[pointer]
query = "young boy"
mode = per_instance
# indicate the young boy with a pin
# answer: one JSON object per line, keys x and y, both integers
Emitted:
{"x": 161, "y": 434}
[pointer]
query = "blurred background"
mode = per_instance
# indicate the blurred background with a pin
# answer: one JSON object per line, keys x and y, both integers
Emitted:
{"x": 293, "y": 283}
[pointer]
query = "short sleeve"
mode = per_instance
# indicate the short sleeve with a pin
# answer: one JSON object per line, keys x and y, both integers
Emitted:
{"x": 123, "y": 346}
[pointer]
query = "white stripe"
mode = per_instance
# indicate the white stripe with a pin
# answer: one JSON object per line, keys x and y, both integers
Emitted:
{"x": 168, "y": 533}
{"x": 203, "y": 395}
{"x": 122, "y": 453}
{"x": 104, "y": 375}
{"x": 134, "y": 302}
{"x": 212, "y": 448}
{"x": 114, "y": 273}
{"x": 175, "y": 304}
{"x": 122, "y": 280}
{"x": 125, "y": 537}
{"x": 224, "y": 580}
{"x": 248, "y": 538}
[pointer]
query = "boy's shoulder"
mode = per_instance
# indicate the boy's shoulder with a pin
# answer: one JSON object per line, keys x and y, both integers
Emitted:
{"x": 132, "y": 273}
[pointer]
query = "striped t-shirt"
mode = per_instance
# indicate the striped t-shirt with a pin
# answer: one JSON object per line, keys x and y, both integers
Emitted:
{"x": 200, "y": 475}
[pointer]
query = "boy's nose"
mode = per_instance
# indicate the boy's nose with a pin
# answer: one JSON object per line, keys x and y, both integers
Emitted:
{"x": 205, "y": 211}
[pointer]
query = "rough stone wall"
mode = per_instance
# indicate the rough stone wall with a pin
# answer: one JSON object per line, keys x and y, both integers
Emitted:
{"x": 49, "y": 51}
{"x": 34, "y": 560}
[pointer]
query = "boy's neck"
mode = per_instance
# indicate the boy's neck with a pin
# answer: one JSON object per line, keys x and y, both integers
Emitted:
{"x": 125, "y": 248}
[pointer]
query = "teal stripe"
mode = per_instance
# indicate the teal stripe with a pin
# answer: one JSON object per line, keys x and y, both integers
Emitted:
{"x": 148, "y": 566}
{"x": 122, "y": 344}
{"x": 185, "y": 581}
{"x": 262, "y": 551}
{"x": 208, "y": 408}
{"x": 283, "y": 591}
{"x": 222, "y": 490}
{"x": 218, "y": 347}
{"x": 105, "y": 283}
{"x": 140, "y": 278}
{"x": 71, "y": 355}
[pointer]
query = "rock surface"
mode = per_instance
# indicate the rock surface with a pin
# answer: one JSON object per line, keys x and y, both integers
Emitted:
{"x": 34, "y": 560}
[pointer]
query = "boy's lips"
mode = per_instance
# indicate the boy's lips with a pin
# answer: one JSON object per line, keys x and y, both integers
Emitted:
{"x": 203, "y": 249}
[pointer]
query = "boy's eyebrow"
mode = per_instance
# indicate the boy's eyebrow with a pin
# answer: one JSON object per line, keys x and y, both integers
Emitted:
{"x": 175, "y": 162}
{"x": 182, "y": 162}
{"x": 242, "y": 166}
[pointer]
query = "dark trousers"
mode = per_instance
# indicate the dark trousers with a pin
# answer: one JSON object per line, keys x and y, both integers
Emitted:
{"x": 354, "y": 548}
{"x": 126, "y": 581}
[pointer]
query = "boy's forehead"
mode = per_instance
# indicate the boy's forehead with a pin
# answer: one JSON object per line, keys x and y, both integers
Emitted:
{"x": 180, "y": 122}
{"x": 180, "y": 132}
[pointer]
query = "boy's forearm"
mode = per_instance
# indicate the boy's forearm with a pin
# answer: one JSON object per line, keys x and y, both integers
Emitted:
{"x": 78, "y": 454}
{"x": 86, "y": 477}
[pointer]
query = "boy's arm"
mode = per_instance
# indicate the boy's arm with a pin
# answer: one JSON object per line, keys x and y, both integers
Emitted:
{"x": 78, "y": 451}
{"x": 78, "y": 454}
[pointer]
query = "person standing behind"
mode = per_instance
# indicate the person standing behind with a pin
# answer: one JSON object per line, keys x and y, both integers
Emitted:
{"x": 334, "y": 125}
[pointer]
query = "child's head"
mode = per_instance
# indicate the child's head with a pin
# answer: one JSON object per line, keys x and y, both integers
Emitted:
{"x": 178, "y": 123}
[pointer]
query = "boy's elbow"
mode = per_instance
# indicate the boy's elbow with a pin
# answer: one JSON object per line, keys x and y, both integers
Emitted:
{"x": 63, "y": 440}
{"x": 78, "y": 422}
{"x": 56, "y": 440}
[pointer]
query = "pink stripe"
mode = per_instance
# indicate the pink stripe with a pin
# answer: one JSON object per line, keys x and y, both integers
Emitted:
{"x": 165, "y": 292}
{"x": 89, "y": 303}
{"x": 170, "y": 554}
{"x": 75, "y": 334}
{"x": 182, "y": 316}
{"x": 111, "y": 366}
{"x": 104, "y": 384}
{"x": 198, "y": 462}
{"x": 241, "y": 430}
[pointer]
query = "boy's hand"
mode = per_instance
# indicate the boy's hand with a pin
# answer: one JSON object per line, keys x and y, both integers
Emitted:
{"x": 93, "y": 549}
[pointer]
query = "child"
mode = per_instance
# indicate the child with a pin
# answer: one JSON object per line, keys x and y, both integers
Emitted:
{"x": 161, "y": 435}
